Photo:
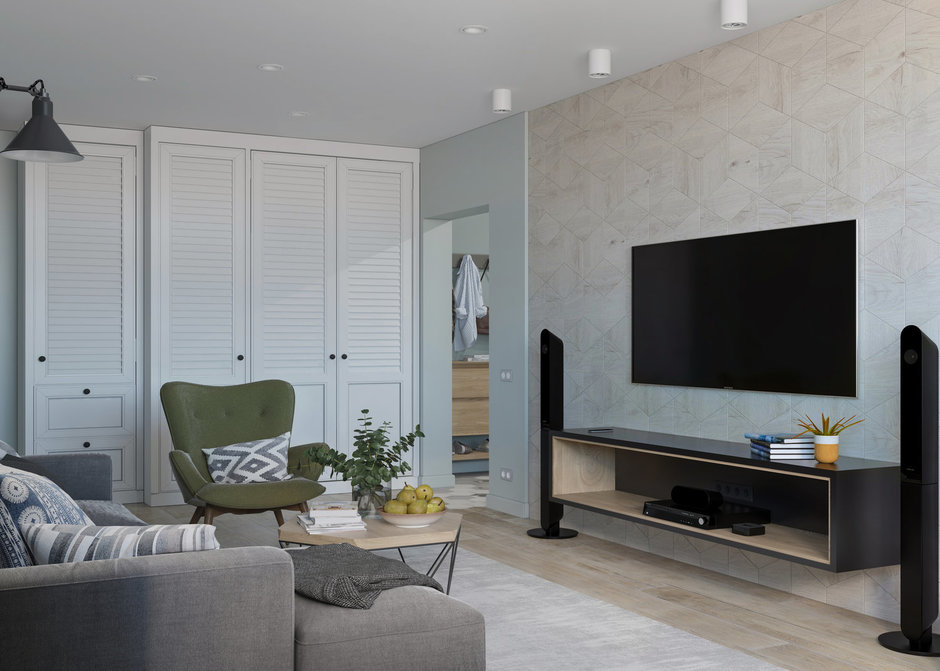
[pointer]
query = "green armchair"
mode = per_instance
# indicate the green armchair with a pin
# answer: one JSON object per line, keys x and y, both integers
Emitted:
{"x": 201, "y": 416}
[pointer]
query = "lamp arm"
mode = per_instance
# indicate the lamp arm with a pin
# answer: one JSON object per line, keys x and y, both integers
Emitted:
{"x": 37, "y": 89}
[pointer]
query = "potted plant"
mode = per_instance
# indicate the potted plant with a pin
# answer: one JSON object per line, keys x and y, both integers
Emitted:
{"x": 826, "y": 436}
{"x": 373, "y": 462}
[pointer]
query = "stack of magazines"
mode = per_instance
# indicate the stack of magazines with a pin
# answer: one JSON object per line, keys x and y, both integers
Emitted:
{"x": 331, "y": 516}
{"x": 781, "y": 445}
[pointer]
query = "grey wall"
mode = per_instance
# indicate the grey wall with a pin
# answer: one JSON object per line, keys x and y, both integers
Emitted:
{"x": 834, "y": 115}
{"x": 472, "y": 235}
{"x": 8, "y": 293}
{"x": 478, "y": 171}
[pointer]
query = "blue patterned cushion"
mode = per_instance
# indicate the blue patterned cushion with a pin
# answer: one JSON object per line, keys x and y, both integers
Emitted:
{"x": 13, "y": 551}
{"x": 33, "y": 499}
{"x": 263, "y": 460}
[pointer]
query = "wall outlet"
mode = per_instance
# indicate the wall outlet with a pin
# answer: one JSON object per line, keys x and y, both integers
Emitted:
{"x": 736, "y": 492}
{"x": 505, "y": 474}
{"x": 505, "y": 375}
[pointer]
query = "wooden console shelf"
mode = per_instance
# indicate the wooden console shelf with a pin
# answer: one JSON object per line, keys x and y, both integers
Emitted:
{"x": 838, "y": 517}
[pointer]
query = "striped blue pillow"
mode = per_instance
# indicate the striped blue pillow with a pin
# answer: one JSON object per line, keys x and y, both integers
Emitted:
{"x": 67, "y": 543}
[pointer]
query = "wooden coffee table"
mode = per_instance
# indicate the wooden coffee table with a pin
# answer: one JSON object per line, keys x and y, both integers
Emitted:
{"x": 381, "y": 535}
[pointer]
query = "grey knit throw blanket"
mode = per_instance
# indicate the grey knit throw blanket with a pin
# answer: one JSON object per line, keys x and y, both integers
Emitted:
{"x": 347, "y": 576}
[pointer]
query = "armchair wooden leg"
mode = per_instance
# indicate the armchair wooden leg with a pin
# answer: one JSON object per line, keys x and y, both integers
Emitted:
{"x": 210, "y": 514}
{"x": 278, "y": 516}
{"x": 304, "y": 508}
{"x": 197, "y": 514}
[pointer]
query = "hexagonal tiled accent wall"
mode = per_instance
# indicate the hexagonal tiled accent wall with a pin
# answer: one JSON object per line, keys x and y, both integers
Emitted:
{"x": 831, "y": 116}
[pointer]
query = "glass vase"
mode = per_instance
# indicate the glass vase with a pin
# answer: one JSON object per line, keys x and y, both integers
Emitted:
{"x": 370, "y": 499}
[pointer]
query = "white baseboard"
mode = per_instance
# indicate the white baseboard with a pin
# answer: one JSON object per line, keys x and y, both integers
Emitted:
{"x": 131, "y": 496}
{"x": 337, "y": 487}
{"x": 508, "y": 506}
{"x": 438, "y": 481}
{"x": 165, "y": 499}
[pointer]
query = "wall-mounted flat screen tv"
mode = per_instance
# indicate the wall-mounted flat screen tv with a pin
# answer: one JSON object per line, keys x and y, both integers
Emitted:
{"x": 765, "y": 311}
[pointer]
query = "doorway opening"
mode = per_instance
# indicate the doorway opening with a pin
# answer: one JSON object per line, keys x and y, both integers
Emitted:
{"x": 471, "y": 281}
{"x": 455, "y": 372}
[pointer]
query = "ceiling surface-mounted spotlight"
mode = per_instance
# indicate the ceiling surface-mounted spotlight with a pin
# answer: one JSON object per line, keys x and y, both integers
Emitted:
{"x": 599, "y": 63}
{"x": 41, "y": 138}
{"x": 733, "y": 14}
{"x": 502, "y": 101}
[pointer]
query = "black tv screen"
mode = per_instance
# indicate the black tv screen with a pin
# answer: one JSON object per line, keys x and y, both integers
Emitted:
{"x": 765, "y": 311}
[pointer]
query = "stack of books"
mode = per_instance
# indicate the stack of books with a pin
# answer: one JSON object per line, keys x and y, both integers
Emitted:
{"x": 331, "y": 516}
{"x": 781, "y": 445}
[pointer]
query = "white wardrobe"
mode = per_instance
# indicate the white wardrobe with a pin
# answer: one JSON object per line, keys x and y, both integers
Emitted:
{"x": 278, "y": 258}
{"x": 80, "y": 379}
{"x": 216, "y": 258}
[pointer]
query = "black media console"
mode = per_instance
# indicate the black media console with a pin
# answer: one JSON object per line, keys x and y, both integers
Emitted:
{"x": 838, "y": 517}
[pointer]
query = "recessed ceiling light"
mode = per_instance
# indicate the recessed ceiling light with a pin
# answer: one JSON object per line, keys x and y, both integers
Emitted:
{"x": 502, "y": 101}
{"x": 297, "y": 114}
{"x": 599, "y": 63}
{"x": 270, "y": 67}
{"x": 145, "y": 78}
{"x": 473, "y": 30}
{"x": 733, "y": 14}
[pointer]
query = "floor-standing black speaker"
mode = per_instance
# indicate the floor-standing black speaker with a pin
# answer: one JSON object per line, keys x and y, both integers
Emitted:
{"x": 919, "y": 403}
{"x": 552, "y": 383}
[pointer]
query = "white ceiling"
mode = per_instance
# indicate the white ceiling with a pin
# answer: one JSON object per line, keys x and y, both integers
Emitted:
{"x": 392, "y": 72}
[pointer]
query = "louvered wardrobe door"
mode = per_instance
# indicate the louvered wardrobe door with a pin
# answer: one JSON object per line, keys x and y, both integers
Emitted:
{"x": 84, "y": 283}
{"x": 374, "y": 250}
{"x": 293, "y": 284}
{"x": 203, "y": 295}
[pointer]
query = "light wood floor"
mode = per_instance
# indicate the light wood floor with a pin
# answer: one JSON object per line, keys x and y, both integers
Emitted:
{"x": 787, "y": 630}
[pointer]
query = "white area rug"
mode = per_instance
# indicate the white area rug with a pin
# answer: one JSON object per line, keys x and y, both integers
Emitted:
{"x": 532, "y": 623}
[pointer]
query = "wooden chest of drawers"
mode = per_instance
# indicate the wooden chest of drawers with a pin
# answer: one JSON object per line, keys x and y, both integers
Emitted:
{"x": 471, "y": 398}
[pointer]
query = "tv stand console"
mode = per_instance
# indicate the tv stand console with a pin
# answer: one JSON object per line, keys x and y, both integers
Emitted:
{"x": 838, "y": 517}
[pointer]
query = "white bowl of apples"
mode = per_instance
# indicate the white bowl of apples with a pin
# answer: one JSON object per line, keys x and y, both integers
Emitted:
{"x": 413, "y": 507}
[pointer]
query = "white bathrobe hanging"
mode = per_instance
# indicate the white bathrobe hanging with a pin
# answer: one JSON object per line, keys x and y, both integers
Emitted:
{"x": 468, "y": 299}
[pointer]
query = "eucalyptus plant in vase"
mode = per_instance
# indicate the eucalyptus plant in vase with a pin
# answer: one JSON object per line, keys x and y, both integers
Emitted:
{"x": 373, "y": 462}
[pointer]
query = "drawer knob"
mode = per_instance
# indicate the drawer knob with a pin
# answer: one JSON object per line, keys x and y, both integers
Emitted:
{"x": 86, "y": 391}
{"x": 241, "y": 357}
{"x": 345, "y": 356}
{"x": 86, "y": 444}
{"x": 332, "y": 356}
{"x": 41, "y": 359}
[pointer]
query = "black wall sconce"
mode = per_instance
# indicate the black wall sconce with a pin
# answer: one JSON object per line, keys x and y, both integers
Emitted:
{"x": 41, "y": 138}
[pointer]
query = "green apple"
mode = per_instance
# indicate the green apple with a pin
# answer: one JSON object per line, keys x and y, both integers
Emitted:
{"x": 424, "y": 492}
{"x": 396, "y": 507}
{"x": 406, "y": 496}
{"x": 418, "y": 507}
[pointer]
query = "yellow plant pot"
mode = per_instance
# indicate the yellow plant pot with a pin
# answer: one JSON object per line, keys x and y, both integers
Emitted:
{"x": 826, "y": 449}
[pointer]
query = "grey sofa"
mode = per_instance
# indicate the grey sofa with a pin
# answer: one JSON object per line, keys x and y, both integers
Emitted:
{"x": 222, "y": 609}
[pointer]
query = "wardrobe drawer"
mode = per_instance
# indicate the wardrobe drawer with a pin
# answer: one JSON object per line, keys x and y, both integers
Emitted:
{"x": 470, "y": 379}
{"x": 121, "y": 450}
{"x": 63, "y": 410}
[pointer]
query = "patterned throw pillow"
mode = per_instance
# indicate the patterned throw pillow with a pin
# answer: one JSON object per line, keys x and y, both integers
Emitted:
{"x": 32, "y": 499}
{"x": 13, "y": 551}
{"x": 66, "y": 543}
{"x": 262, "y": 460}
